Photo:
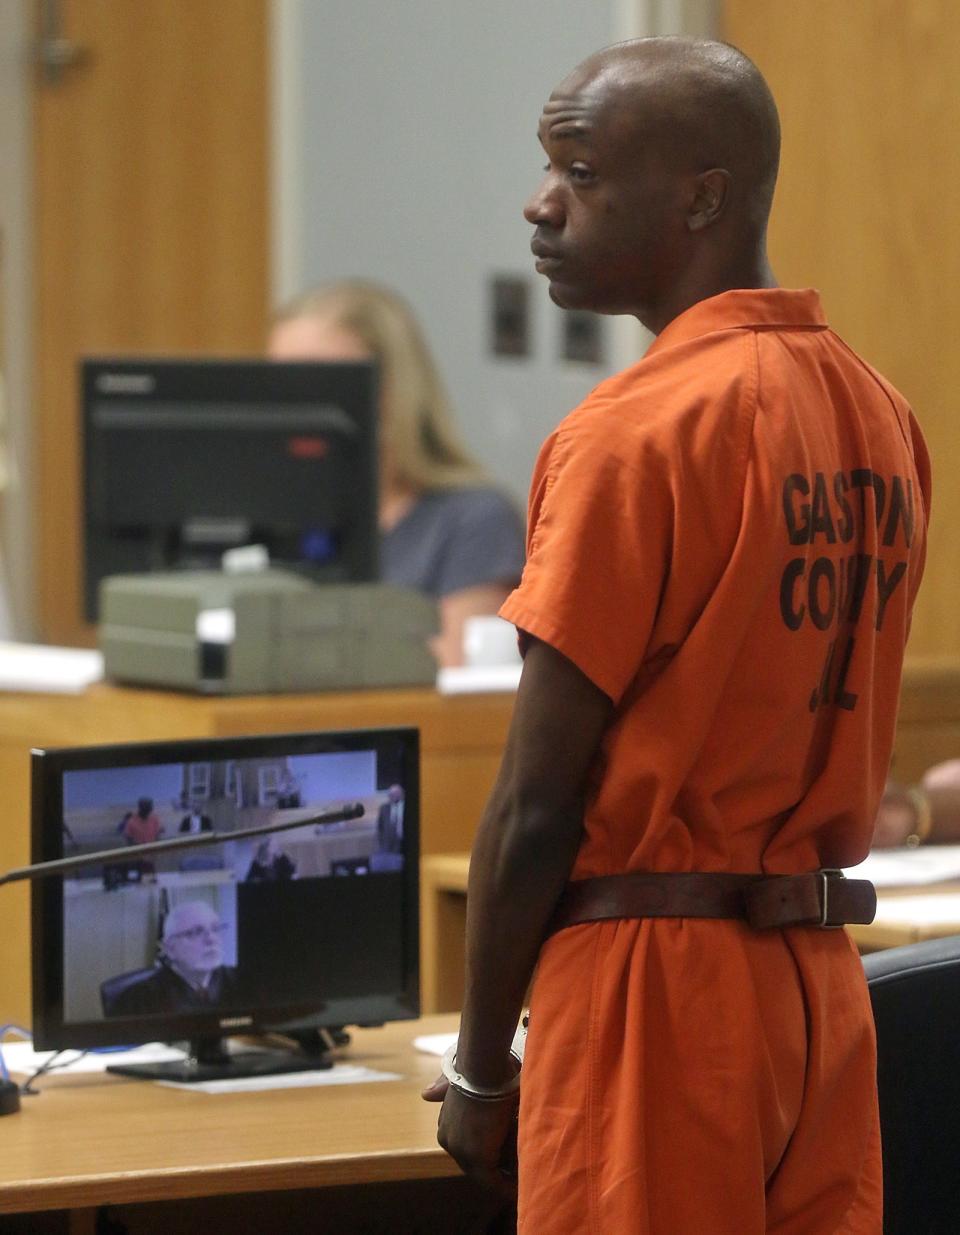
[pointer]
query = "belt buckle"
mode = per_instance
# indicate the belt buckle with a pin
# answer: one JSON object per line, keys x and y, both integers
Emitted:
{"x": 825, "y": 875}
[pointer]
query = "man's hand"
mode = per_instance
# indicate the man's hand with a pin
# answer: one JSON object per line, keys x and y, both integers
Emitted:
{"x": 479, "y": 1136}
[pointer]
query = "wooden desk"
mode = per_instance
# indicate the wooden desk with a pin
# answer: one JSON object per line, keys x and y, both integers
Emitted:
{"x": 443, "y": 925}
{"x": 92, "y": 1140}
{"x": 461, "y": 738}
{"x": 443, "y": 896}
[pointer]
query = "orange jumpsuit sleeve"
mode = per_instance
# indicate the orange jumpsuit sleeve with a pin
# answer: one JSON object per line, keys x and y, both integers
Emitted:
{"x": 600, "y": 530}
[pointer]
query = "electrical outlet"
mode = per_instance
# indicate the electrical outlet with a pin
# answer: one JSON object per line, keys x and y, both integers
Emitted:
{"x": 582, "y": 337}
{"x": 509, "y": 316}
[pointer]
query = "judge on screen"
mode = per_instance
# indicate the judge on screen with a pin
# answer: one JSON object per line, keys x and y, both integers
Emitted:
{"x": 189, "y": 974}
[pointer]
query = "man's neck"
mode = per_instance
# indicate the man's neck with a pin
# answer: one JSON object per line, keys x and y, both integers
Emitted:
{"x": 752, "y": 272}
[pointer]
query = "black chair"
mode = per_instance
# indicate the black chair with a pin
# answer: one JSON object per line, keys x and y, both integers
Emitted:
{"x": 113, "y": 988}
{"x": 915, "y": 992}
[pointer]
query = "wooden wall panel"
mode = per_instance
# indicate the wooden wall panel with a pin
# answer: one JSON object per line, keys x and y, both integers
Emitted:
{"x": 865, "y": 211}
{"x": 151, "y": 170}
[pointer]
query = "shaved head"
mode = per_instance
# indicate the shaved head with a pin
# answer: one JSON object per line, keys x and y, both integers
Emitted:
{"x": 704, "y": 103}
{"x": 663, "y": 161}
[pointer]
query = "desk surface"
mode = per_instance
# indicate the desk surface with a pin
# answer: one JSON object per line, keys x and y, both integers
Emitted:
{"x": 92, "y": 1139}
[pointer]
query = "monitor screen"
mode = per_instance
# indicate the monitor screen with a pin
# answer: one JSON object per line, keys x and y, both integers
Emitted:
{"x": 185, "y": 459}
{"x": 313, "y": 926}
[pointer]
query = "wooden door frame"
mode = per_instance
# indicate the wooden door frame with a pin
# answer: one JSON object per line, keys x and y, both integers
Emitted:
{"x": 286, "y": 151}
{"x": 16, "y": 315}
{"x": 168, "y": 257}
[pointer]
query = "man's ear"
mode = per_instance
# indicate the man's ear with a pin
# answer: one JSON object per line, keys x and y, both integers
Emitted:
{"x": 709, "y": 200}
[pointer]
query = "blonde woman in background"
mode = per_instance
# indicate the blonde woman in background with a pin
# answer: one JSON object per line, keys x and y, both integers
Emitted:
{"x": 444, "y": 529}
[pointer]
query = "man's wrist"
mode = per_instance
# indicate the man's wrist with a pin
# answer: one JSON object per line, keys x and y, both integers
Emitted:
{"x": 485, "y": 1085}
{"x": 509, "y": 1090}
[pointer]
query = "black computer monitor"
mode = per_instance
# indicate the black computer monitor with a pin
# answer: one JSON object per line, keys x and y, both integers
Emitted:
{"x": 184, "y": 459}
{"x": 316, "y": 929}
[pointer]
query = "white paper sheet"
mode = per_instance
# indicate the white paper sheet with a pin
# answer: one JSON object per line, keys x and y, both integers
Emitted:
{"x": 928, "y": 909}
{"x": 434, "y": 1043}
{"x": 22, "y": 1059}
{"x": 48, "y": 670}
{"x": 907, "y": 868}
{"x": 477, "y": 679}
{"x": 339, "y": 1074}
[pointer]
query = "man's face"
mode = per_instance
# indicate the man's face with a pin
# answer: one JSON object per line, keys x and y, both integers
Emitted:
{"x": 194, "y": 944}
{"x": 609, "y": 213}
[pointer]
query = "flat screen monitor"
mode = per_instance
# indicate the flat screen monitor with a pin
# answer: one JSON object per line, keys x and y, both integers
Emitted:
{"x": 185, "y": 459}
{"x": 313, "y": 929}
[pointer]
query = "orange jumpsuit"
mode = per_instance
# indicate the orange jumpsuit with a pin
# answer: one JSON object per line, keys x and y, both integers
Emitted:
{"x": 727, "y": 539}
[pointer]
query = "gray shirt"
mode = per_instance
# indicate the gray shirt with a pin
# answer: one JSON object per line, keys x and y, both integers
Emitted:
{"x": 453, "y": 539}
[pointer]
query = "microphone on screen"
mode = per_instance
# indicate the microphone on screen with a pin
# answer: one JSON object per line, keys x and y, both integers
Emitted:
{"x": 63, "y": 866}
{"x": 347, "y": 812}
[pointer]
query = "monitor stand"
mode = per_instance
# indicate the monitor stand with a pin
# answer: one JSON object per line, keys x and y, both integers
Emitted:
{"x": 209, "y": 1060}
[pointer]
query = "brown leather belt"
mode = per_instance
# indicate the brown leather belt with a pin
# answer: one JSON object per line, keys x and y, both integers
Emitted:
{"x": 823, "y": 898}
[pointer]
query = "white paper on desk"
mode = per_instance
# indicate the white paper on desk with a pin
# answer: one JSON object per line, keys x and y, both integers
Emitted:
{"x": 434, "y": 1043}
{"x": 339, "y": 1074}
{"x": 927, "y": 909}
{"x": 20, "y": 1057}
{"x": 907, "y": 868}
{"x": 48, "y": 670}
{"x": 476, "y": 679}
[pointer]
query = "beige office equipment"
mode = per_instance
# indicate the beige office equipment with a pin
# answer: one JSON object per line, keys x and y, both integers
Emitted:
{"x": 265, "y": 631}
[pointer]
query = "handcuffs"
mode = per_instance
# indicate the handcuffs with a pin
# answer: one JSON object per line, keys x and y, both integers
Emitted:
{"x": 482, "y": 1093}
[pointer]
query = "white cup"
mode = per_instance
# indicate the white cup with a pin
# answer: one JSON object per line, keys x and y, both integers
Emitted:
{"x": 489, "y": 640}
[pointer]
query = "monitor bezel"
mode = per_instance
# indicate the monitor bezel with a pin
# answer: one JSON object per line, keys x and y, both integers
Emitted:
{"x": 212, "y": 380}
{"x": 48, "y": 766}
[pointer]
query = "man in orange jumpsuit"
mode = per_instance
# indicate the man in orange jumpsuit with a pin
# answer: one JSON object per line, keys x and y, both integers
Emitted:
{"x": 724, "y": 545}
